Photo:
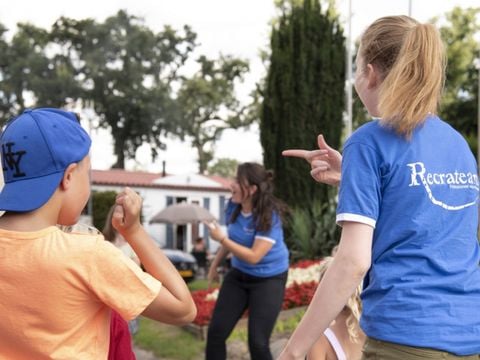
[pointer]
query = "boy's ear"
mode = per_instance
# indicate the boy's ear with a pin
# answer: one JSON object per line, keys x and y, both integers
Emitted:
{"x": 66, "y": 182}
{"x": 372, "y": 77}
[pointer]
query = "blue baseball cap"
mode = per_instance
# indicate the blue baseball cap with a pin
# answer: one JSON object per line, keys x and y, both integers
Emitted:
{"x": 36, "y": 148}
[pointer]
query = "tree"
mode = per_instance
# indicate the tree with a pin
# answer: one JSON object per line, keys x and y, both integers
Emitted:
{"x": 224, "y": 167}
{"x": 303, "y": 96}
{"x": 126, "y": 71}
{"x": 102, "y": 201}
{"x": 459, "y": 104}
{"x": 207, "y": 105}
{"x": 6, "y": 90}
{"x": 30, "y": 76}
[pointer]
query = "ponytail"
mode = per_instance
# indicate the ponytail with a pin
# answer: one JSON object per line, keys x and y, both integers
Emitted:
{"x": 411, "y": 59}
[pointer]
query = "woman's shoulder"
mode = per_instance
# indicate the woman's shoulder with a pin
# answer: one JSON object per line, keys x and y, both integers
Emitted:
{"x": 439, "y": 126}
{"x": 368, "y": 134}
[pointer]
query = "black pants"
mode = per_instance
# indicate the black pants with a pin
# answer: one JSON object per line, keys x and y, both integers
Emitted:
{"x": 263, "y": 297}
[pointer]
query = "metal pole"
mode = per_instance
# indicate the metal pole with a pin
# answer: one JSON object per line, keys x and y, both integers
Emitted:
{"x": 410, "y": 8}
{"x": 349, "y": 72}
{"x": 477, "y": 65}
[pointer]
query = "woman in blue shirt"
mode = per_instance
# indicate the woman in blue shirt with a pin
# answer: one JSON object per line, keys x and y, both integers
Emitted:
{"x": 259, "y": 263}
{"x": 408, "y": 207}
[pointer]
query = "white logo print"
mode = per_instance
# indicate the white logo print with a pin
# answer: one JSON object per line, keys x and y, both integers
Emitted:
{"x": 455, "y": 180}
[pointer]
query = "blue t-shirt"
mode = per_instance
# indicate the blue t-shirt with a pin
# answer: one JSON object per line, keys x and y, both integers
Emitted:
{"x": 421, "y": 196}
{"x": 243, "y": 232}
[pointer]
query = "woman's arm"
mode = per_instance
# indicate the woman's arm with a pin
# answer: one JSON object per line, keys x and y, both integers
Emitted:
{"x": 348, "y": 268}
{"x": 251, "y": 255}
{"x": 212, "y": 275}
{"x": 219, "y": 256}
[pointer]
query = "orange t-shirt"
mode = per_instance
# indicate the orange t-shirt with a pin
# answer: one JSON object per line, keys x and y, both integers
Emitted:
{"x": 56, "y": 291}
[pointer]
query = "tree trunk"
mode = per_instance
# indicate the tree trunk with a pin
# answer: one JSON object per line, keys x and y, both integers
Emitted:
{"x": 119, "y": 152}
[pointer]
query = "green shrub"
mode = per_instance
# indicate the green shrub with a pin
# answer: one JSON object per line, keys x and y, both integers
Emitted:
{"x": 312, "y": 233}
{"x": 102, "y": 201}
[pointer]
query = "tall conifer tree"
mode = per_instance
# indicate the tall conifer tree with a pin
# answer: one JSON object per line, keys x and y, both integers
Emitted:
{"x": 303, "y": 96}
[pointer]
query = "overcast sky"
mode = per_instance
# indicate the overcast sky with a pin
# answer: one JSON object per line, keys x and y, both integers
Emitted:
{"x": 236, "y": 27}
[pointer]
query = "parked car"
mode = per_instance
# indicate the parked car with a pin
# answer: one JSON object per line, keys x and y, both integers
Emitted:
{"x": 183, "y": 261}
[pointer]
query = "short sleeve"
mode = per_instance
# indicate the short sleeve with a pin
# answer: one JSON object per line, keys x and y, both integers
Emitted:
{"x": 275, "y": 233}
{"x": 360, "y": 188}
{"x": 120, "y": 283}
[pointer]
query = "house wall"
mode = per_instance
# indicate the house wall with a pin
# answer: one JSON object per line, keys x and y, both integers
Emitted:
{"x": 155, "y": 200}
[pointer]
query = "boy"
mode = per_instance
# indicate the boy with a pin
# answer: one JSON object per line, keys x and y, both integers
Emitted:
{"x": 57, "y": 287}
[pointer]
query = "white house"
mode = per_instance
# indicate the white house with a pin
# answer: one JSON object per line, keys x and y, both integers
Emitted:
{"x": 158, "y": 191}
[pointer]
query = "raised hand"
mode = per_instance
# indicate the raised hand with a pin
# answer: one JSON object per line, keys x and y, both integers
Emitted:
{"x": 126, "y": 216}
{"x": 326, "y": 162}
{"x": 216, "y": 232}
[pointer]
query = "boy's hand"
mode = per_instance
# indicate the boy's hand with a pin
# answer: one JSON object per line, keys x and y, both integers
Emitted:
{"x": 126, "y": 216}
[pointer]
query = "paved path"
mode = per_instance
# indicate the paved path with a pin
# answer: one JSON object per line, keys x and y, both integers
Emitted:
{"x": 240, "y": 349}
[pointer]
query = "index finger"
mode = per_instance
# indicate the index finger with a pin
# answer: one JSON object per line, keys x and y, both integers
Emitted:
{"x": 296, "y": 153}
{"x": 210, "y": 224}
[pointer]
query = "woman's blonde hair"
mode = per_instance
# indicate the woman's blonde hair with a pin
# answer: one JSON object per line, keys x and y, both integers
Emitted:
{"x": 109, "y": 232}
{"x": 410, "y": 58}
{"x": 353, "y": 305}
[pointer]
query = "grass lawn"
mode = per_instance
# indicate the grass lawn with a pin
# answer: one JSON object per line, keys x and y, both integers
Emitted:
{"x": 174, "y": 343}
{"x": 199, "y": 284}
{"x": 171, "y": 342}
{"x": 168, "y": 342}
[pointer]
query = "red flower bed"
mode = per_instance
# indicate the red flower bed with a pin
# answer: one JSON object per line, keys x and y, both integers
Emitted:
{"x": 295, "y": 295}
{"x": 299, "y": 295}
{"x": 204, "y": 307}
{"x": 303, "y": 264}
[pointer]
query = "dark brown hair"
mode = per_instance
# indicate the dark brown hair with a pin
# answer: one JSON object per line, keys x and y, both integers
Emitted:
{"x": 264, "y": 203}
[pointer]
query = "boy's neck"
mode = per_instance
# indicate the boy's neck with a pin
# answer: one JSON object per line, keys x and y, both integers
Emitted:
{"x": 35, "y": 220}
{"x": 41, "y": 218}
{"x": 24, "y": 222}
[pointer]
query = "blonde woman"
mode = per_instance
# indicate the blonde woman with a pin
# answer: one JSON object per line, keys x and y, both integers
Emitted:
{"x": 408, "y": 207}
{"x": 343, "y": 339}
{"x": 113, "y": 236}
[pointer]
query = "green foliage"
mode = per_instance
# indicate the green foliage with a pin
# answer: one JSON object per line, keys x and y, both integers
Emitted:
{"x": 224, "y": 167}
{"x": 26, "y": 70}
{"x": 126, "y": 71}
{"x": 120, "y": 68}
{"x": 460, "y": 31}
{"x": 129, "y": 75}
{"x": 207, "y": 105}
{"x": 313, "y": 232}
{"x": 102, "y": 201}
{"x": 303, "y": 96}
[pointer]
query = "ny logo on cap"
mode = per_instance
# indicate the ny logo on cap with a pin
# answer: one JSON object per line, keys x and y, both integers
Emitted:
{"x": 11, "y": 160}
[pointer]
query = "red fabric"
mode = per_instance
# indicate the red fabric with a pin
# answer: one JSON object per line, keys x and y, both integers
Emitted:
{"x": 120, "y": 339}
